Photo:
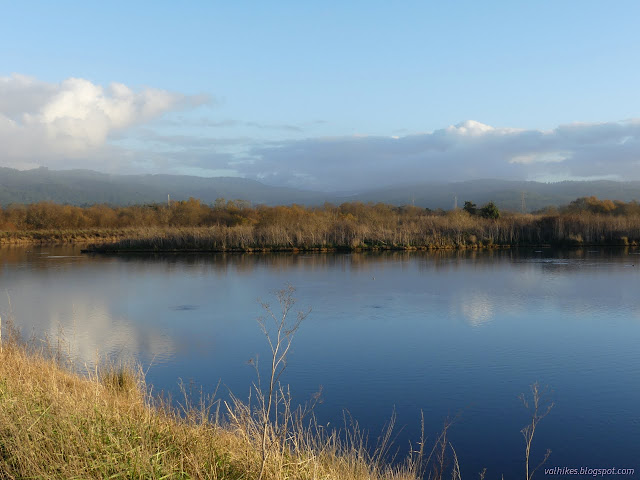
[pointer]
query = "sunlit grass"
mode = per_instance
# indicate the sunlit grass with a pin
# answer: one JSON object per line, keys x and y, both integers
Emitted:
{"x": 104, "y": 424}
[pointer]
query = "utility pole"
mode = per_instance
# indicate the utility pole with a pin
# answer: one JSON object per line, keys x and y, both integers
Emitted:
{"x": 523, "y": 205}
{"x": 168, "y": 200}
{"x": 455, "y": 202}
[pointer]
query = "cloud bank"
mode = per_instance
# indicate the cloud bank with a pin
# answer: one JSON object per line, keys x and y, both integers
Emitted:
{"x": 469, "y": 150}
{"x": 54, "y": 124}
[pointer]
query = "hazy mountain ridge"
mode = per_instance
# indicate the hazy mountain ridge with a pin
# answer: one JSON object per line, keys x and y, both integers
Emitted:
{"x": 507, "y": 194}
{"x": 82, "y": 187}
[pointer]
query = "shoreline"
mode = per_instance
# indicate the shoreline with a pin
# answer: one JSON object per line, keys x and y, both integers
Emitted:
{"x": 295, "y": 250}
{"x": 110, "y": 242}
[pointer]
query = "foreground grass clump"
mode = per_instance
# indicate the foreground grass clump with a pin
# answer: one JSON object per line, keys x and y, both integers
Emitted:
{"x": 58, "y": 424}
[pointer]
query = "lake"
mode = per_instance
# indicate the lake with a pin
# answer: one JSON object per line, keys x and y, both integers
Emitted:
{"x": 452, "y": 334}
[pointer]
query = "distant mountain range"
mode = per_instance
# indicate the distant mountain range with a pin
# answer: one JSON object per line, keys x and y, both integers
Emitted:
{"x": 84, "y": 187}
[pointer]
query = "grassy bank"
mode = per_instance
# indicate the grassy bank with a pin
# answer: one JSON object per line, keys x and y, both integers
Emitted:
{"x": 57, "y": 424}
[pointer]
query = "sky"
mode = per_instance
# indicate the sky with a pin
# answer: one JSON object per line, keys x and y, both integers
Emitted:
{"x": 328, "y": 95}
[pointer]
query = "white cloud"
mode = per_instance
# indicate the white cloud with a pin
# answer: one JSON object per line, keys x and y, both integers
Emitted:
{"x": 51, "y": 123}
{"x": 470, "y": 128}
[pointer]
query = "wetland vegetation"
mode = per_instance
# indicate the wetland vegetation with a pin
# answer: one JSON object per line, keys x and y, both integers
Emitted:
{"x": 238, "y": 226}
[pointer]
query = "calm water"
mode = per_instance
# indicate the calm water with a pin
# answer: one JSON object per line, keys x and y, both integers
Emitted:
{"x": 450, "y": 334}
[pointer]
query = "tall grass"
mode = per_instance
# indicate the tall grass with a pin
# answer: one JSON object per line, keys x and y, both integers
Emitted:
{"x": 454, "y": 230}
{"x": 58, "y": 424}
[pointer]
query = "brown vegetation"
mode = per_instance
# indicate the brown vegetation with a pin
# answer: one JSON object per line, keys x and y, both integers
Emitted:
{"x": 57, "y": 424}
{"x": 229, "y": 226}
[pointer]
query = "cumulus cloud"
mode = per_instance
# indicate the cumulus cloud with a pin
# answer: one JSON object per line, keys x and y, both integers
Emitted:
{"x": 48, "y": 123}
{"x": 469, "y": 150}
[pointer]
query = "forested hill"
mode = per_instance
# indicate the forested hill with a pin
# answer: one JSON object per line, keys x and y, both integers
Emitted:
{"x": 85, "y": 187}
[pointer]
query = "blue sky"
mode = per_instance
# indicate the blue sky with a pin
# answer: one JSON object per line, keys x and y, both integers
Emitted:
{"x": 314, "y": 94}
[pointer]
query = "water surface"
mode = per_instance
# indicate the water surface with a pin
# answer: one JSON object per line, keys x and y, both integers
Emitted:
{"x": 458, "y": 334}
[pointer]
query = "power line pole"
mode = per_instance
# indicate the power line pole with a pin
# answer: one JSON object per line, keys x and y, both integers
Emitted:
{"x": 455, "y": 202}
{"x": 523, "y": 205}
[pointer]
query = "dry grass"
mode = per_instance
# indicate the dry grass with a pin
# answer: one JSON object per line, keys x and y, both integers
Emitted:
{"x": 454, "y": 230}
{"x": 235, "y": 226}
{"x": 58, "y": 424}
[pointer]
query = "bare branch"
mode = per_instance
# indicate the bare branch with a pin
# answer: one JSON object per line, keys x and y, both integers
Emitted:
{"x": 275, "y": 403}
{"x": 538, "y": 410}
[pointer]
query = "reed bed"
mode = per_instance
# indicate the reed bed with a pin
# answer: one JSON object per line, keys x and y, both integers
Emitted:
{"x": 454, "y": 230}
